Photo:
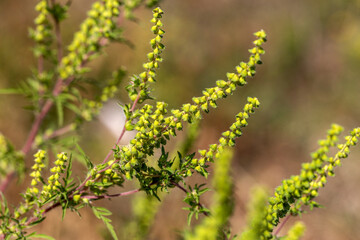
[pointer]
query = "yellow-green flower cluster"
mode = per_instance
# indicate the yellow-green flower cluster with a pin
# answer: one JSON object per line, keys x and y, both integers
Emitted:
{"x": 110, "y": 175}
{"x": 57, "y": 170}
{"x": 10, "y": 160}
{"x": 91, "y": 108}
{"x": 102, "y": 177}
{"x": 243, "y": 70}
{"x": 4, "y": 165}
{"x": 138, "y": 87}
{"x": 95, "y": 32}
{"x": 130, "y": 5}
{"x": 36, "y": 173}
{"x": 301, "y": 189}
{"x": 296, "y": 231}
{"x": 153, "y": 132}
{"x": 190, "y": 112}
{"x": 42, "y": 34}
{"x": 227, "y": 140}
{"x": 255, "y": 214}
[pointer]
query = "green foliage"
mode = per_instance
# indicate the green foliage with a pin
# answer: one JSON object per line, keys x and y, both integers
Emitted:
{"x": 101, "y": 213}
{"x": 145, "y": 207}
{"x": 296, "y": 231}
{"x": 213, "y": 227}
{"x": 256, "y": 210}
{"x": 59, "y": 85}
{"x": 10, "y": 159}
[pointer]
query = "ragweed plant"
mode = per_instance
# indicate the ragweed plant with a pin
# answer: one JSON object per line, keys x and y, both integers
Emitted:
{"x": 57, "y": 85}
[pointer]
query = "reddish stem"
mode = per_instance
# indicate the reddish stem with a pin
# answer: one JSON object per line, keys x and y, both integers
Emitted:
{"x": 36, "y": 125}
{"x": 5, "y": 183}
{"x": 112, "y": 195}
{"x": 186, "y": 191}
{"x": 282, "y": 224}
{"x": 93, "y": 198}
{"x": 59, "y": 132}
{"x": 122, "y": 131}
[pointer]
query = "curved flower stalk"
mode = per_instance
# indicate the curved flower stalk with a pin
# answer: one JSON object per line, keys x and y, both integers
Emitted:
{"x": 42, "y": 34}
{"x": 300, "y": 190}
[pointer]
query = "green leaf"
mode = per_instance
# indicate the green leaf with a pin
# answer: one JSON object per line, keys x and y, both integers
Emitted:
{"x": 50, "y": 199}
{"x": 103, "y": 211}
{"x": 41, "y": 236}
{"x": 73, "y": 108}
{"x": 189, "y": 217}
{"x": 89, "y": 164}
{"x": 100, "y": 213}
{"x": 10, "y": 91}
{"x": 60, "y": 111}
{"x": 37, "y": 221}
{"x": 64, "y": 206}
{"x": 110, "y": 228}
{"x": 68, "y": 172}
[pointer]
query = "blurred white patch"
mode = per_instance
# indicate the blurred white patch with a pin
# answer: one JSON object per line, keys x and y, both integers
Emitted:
{"x": 113, "y": 118}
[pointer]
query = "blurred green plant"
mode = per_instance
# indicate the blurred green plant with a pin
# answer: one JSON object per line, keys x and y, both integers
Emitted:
{"x": 57, "y": 85}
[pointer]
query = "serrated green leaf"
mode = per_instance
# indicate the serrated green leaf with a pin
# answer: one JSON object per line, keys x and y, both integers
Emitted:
{"x": 110, "y": 227}
{"x": 100, "y": 213}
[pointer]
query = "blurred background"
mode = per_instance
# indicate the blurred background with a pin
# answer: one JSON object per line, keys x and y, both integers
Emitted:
{"x": 309, "y": 79}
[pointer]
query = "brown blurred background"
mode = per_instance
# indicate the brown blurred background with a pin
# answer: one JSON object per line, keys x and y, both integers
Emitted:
{"x": 309, "y": 80}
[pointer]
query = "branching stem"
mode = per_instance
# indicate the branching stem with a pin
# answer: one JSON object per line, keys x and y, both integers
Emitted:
{"x": 186, "y": 191}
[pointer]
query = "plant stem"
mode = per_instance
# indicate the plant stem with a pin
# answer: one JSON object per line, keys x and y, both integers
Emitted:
{"x": 122, "y": 131}
{"x": 5, "y": 183}
{"x": 282, "y": 224}
{"x": 186, "y": 191}
{"x": 90, "y": 197}
{"x": 112, "y": 195}
{"x": 59, "y": 132}
{"x": 36, "y": 125}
